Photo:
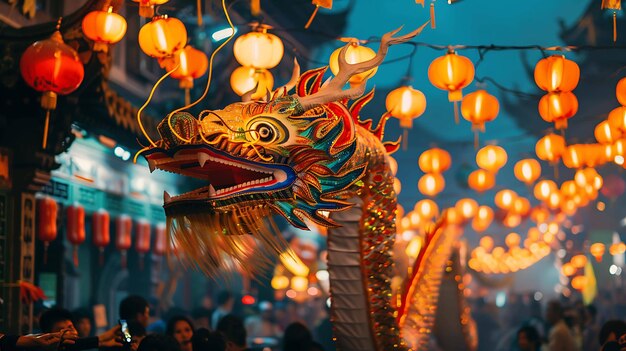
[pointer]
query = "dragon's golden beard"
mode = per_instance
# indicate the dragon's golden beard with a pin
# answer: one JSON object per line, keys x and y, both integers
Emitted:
{"x": 242, "y": 240}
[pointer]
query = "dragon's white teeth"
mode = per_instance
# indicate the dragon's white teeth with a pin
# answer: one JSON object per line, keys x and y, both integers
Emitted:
{"x": 151, "y": 165}
{"x": 166, "y": 197}
{"x": 212, "y": 191}
{"x": 202, "y": 158}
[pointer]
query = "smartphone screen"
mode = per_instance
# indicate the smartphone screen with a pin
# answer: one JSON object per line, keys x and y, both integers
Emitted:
{"x": 125, "y": 333}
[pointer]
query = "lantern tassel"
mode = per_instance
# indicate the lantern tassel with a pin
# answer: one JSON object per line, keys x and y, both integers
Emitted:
{"x": 308, "y": 23}
{"x": 405, "y": 139}
{"x": 614, "y": 26}
{"x": 123, "y": 260}
{"x": 556, "y": 170}
{"x": 101, "y": 257}
{"x": 199, "y": 13}
{"x": 187, "y": 96}
{"x": 433, "y": 25}
{"x": 255, "y": 7}
{"x": 456, "y": 112}
{"x": 75, "y": 255}
{"x": 476, "y": 142}
{"x": 45, "y": 252}
{"x": 45, "y": 130}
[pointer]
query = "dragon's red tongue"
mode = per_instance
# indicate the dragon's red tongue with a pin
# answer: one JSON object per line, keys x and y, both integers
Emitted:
{"x": 224, "y": 176}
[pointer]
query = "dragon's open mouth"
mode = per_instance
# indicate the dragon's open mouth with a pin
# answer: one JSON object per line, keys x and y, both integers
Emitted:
{"x": 227, "y": 176}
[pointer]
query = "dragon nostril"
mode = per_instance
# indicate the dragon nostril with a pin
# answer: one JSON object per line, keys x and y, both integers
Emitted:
{"x": 182, "y": 128}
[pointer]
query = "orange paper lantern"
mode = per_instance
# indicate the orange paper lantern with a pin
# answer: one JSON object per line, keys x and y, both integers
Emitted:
{"x": 451, "y": 72}
{"x": 46, "y": 222}
{"x": 104, "y": 28}
{"x": 543, "y": 189}
{"x": 245, "y": 79}
{"x": 431, "y": 184}
{"x": 259, "y": 49}
{"x": 123, "y": 241}
{"x": 142, "y": 237}
{"x": 160, "y": 240}
{"x": 579, "y": 282}
{"x": 427, "y": 209}
{"x": 512, "y": 240}
{"x": 556, "y": 73}
{"x": 405, "y": 104}
{"x": 617, "y": 119}
{"x": 162, "y": 37}
{"x": 573, "y": 157}
{"x": 483, "y": 219}
{"x": 75, "y": 228}
{"x": 597, "y": 251}
{"x": 605, "y": 133}
{"x": 491, "y": 158}
{"x": 558, "y": 107}
{"x": 550, "y": 148}
{"x": 579, "y": 261}
{"x": 478, "y": 108}
{"x": 101, "y": 231}
{"x": 481, "y": 180}
{"x": 434, "y": 160}
{"x": 354, "y": 54}
{"x": 504, "y": 199}
{"x": 620, "y": 91}
{"x": 568, "y": 270}
{"x": 527, "y": 170}
{"x": 192, "y": 64}
{"x": 466, "y": 207}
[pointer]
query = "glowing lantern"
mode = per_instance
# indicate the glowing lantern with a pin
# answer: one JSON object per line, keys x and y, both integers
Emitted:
{"x": 393, "y": 164}
{"x": 452, "y": 216}
{"x": 614, "y": 186}
{"x": 101, "y": 231}
{"x": 123, "y": 227}
{"x": 415, "y": 219}
{"x": 431, "y": 184}
{"x": 569, "y": 207}
{"x": 354, "y": 54}
{"x": 504, "y": 199}
{"x": 491, "y": 158}
{"x": 434, "y": 160}
{"x": 483, "y": 219}
{"x": 142, "y": 237}
{"x": 75, "y": 228}
{"x": 414, "y": 247}
{"x": 481, "y": 180}
{"x": 614, "y": 5}
{"x": 104, "y": 28}
{"x": 587, "y": 176}
{"x": 579, "y": 261}
{"x": 558, "y": 108}
{"x": 569, "y": 188}
{"x": 568, "y": 269}
{"x": 146, "y": 7}
{"x": 617, "y": 119}
{"x": 617, "y": 249}
{"x": 259, "y": 49}
{"x": 512, "y": 240}
{"x": 451, "y": 72}
{"x": 405, "y": 104}
{"x": 51, "y": 67}
{"x": 245, "y": 79}
{"x": 550, "y": 148}
{"x": 619, "y": 149}
{"x": 486, "y": 242}
{"x": 299, "y": 284}
{"x": 46, "y": 222}
{"x": 466, "y": 207}
{"x": 521, "y": 206}
{"x": 280, "y": 282}
{"x": 573, "y": 156}
{"x": 478, "y": 108}
{"x": 539, "y": 215}
{"x": 512, "y": 220}
{"x": 160, "y": 239}
{"x": 427, "y": 209}
{"x": 554, "y": 200}
{"x": 527, "y": 170}
{"x": 579, "y": 282}
{"x": 397, "y": 185}
{"x": 192, "y": 64}
{"x": 605, "y": 134}
{"x": 556, "y": 73}
{"x": 543, "y": 189}
{"x": 597, "y": 251}
{"x": 162, "y": 37}
{"x": 620, "y": 91}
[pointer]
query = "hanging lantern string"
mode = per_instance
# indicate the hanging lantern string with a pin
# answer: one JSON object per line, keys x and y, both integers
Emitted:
{"x": 210, "y": 75}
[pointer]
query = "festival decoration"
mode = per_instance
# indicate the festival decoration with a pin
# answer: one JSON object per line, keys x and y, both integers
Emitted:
{"x": 605, "y": 133}
{"x": 123, "y": 241}
{"x": 142, "y": 239}
{"x": 504, "y": 199}
{"x": 617, "y": 119}
{"x": 104, "y": 28}
{"x": 620, "y": 91}
{"x": 146, "y": 7}
{"x": 427, "y": 209}
{"x": 187, "y": 65}
{"x": 579, "y": 261}
{"x": 431, "y": 184}
{"x": 405, "y": 104}
{"x": 527, "y": 170}
{"x": 481, "y": 180}
{"x": 52, "y": 68}
{"x": 75, "y": 228}
{"x": 466, "y": 207}
{"x": 579, "y": 282}
{"x": 162, "y": 37}
{"x": 328, "y": 4}
{"x": 259, "y": 49}
{"x": 246, "y": 79}
{"x": 479, "y": 108}
{"x": 354, "y": 53}
{"x": 160, "y": 240}
{"x": 101, "y": 231}
{"x": 451, "y": 72}
{"x": 614, "y": 5}
{"x": 46, "y": 222}
{"x": 491, "y": 158}
{"x": 568, "y": 269}
{"x": 482, "y": 220}
{"x": 597, "y": 251}
{"x": 311, "y": 160}
{"x": 434, "y": 160}
{"x": 557, "y": 74}
{"x": 558, "y": 107}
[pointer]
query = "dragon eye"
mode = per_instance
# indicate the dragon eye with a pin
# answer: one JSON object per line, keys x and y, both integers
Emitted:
{"x": 265, "y": 132}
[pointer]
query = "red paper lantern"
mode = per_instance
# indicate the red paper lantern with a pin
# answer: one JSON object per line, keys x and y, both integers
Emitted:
{"x": 51, "y": 67}
{"x": 101, "y": 230}
{"x": 160, "y": 240}
{"x": 104, "y": 28}
{"x": 75, "y": 228}
{"x": 142, "y": 243}
{"x": 123, "y": 228}
{"x": 47, "y": 222}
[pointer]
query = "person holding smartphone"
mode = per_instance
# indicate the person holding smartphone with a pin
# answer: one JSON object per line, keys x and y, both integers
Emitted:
{"x": 57, "y": 320}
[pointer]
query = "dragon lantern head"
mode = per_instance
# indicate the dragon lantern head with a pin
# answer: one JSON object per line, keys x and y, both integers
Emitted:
{"x": 289, "y": 156}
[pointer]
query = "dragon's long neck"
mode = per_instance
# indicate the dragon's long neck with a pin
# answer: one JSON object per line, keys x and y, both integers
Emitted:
{"x": 359, "y": 256}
